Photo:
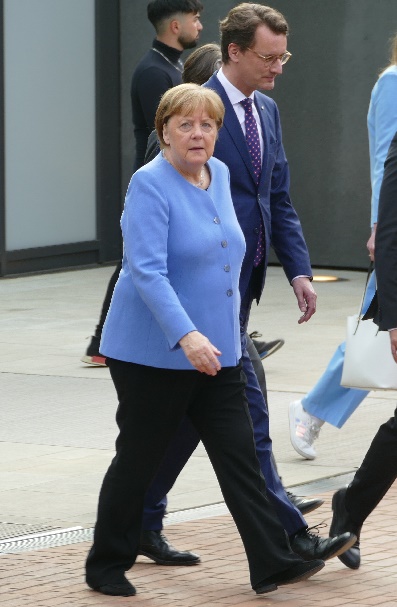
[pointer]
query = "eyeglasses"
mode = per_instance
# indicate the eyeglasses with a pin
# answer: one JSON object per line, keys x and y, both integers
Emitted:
{"x": 271, "y": 59}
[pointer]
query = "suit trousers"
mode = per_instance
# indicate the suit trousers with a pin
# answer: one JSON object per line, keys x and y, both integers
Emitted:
{"x": 376, "y": 474}
{"x": 258, "y": 366}
{"x": 290, "y": 517}
{"x": 178, "y": 453}
{"x": 152, "y": 404}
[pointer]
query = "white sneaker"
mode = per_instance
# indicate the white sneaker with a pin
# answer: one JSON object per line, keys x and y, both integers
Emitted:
{"x": 303, "y": 430}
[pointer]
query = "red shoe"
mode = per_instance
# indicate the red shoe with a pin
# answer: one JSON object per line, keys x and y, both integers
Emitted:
{"x": 92, "y": 355}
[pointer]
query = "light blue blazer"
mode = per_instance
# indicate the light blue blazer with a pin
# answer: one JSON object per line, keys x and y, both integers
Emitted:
{"x": 382, "y": 125}
{"x": 183, "y": 250}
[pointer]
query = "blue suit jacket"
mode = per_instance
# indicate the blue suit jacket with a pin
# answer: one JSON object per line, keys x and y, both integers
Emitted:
{"x": 183, "y": 249}
{"x": 270, "y": 198}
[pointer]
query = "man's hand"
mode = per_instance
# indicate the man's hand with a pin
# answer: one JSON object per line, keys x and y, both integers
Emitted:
{"x": 371, "y": 243}
{"x": 306, "y": 296}
{"x": 393, "y": 343}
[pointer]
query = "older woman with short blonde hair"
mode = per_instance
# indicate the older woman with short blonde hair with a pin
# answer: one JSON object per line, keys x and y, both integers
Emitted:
{"x": 172, "y": 342}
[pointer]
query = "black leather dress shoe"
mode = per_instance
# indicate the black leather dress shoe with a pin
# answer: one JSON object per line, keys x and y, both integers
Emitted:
{"x": 155, "y": 546}
{"x": 297, "y": 573}
{"x": 124, "y": 589}
{"x": 341, "y": 521}
{"x": 304, "y": 504}
{"x": 265, "y": 348}
{"x": 311, "y": 546}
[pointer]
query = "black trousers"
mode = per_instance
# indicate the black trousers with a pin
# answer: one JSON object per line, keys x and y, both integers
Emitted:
{"x": 376, "y": 474}
{"x": 108, "y": 298}
{"x": 152, "y": 403}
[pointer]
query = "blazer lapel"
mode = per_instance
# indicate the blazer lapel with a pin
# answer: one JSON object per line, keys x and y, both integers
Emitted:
{"x": 265, "y": 134}
{"x": 232, "y": 125}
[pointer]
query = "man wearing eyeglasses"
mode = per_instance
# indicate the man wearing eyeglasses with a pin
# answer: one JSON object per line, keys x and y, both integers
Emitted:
{"x": 254, "y": 50}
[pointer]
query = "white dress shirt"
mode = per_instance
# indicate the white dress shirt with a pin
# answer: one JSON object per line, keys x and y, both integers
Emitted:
{"x": 235, "y": 96}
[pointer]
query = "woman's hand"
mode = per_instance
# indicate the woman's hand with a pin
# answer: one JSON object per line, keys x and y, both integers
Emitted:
{"x": 201, "y": 353}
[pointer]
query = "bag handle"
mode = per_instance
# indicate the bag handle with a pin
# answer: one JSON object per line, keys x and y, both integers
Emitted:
{"x": 370, "y": 270}
{"x": 360, "y": 310}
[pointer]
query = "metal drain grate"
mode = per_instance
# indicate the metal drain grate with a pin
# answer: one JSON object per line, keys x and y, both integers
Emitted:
{"x": 38, "y": 541}
{"x": 322, "y": 485}
{"x": 194, "y": 514}
{"x": 75, "y": 535}
{"x": 11, "y": 530}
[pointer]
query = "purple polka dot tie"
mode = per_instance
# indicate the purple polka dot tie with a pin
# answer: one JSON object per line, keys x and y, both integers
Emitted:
{"x": 254, "y": 148}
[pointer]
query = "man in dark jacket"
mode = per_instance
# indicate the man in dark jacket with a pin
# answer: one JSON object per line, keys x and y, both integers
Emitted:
{"x": 177, "y": 24}
{"x": 378, "y": 471}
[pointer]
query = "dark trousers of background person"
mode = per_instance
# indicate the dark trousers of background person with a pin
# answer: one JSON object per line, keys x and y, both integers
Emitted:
{"x": 376, "y": 474}
{"x": 290, "y": 517}
{"x": 107, "y": 300}
{"x": 152, "y": 403}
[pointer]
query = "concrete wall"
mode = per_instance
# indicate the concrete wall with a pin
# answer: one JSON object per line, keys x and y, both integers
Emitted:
{"x": 338, "y": 47}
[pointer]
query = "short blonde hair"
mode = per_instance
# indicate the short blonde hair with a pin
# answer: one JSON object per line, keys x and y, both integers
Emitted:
{"x": 185, "y": 99}
{"x": 393, "y": 45}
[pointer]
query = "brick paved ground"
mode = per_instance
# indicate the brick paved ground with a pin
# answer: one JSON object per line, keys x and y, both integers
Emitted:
{"x": 54, "y": 577}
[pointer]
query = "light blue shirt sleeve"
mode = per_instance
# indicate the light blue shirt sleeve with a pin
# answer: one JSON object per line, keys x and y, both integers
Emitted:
{"x": 382, "y": 126}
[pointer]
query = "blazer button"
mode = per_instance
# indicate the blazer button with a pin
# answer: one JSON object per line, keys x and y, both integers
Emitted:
{"x": 229, "y": 292}
{"x": 217, "y": 220}
{"x": 224, "y": 244}
{"x": 226, "y": 268}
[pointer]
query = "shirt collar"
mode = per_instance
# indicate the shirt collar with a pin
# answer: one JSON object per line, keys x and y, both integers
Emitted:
{"x": 235, "y": 96}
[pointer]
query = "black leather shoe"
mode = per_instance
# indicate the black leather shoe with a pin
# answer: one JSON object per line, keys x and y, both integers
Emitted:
{"x": 154, "y": 545}
{"x": 124, "y": 589}
{"x": 265, "y": 348}
{"x": 311, "y": 546}
{"x": 303, "y": 504}
{"x": 341, "y": 522}
{"x": 297, "y": 573}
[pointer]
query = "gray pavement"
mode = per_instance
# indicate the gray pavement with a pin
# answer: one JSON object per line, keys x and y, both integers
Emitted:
{"x": 57, "y": 427}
